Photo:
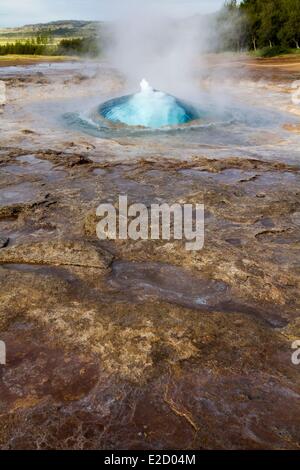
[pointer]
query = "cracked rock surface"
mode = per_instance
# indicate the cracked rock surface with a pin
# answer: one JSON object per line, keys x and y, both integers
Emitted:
{"x": 143, "y": 344}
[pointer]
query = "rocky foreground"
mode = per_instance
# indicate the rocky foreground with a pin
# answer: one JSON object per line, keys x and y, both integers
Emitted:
{"x": 144, "y": 345}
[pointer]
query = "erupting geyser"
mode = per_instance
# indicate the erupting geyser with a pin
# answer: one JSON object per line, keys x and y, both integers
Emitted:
{"x": 148, "y": 108}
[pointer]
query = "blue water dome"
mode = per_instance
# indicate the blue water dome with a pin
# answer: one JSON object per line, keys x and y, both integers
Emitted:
{"x": 148, "y": 108}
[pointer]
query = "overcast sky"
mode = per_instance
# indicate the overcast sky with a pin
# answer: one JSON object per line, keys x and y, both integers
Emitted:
{"x": 21, "y": 12}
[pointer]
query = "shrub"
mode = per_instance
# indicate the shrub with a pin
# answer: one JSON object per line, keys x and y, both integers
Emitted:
{"x": 274, "y": 51}
{"x": 79, "y": 46}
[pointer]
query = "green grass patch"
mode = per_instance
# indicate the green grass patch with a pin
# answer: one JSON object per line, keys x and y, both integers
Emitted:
{"x": 18, "y": 58}
{"x": 276, "y": 51}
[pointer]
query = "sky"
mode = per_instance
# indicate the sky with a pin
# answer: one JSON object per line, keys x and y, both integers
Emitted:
{"x": 21, "y": 12}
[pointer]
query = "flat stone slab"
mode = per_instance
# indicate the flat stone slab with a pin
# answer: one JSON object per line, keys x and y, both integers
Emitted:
{"x": 57, "y": 253}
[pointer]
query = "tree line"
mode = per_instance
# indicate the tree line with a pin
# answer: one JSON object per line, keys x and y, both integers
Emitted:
{"x": 260, "y": 24}
{"x": 43, "y": 45}
{"x": 35, "y": 46}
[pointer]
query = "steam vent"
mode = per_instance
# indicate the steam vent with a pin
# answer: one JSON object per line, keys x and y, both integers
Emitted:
{"x": 148, "y": 108}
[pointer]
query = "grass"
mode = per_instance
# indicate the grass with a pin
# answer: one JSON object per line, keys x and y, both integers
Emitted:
{"x": 276, "y": 51}
{"x": 6, "y": 60}
{"x": 35, "y": 57}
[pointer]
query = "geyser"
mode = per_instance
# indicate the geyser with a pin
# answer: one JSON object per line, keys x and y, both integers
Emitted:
{"x": 148, "y": 108}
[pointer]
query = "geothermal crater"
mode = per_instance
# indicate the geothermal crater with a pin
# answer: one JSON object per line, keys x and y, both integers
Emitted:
{"x": 153, "y": 114}
{"x": 148, "y": 108}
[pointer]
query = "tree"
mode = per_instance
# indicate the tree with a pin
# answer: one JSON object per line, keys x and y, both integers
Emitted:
{"x": 251, "y": 8}
{"x": 289, "y": 34}
{"x": 271, "y": 14}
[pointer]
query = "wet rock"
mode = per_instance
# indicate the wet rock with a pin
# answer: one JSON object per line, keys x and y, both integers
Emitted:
{"x": 75, "y": 160}
{"x": 218, "y": 165}
{"x": 58, "y": 253}
{"x": 77, "y": 79}
{"x": 11, "y": 211}
{"x": 66, "y": 159}
{"x": 14, "y": 210}
{"x": 234, "y": 241}
{"x": 2, "y": 93}
{"x": 164, "y": 369}
{"x": 90, "y": 223}
{"x": 28, "y": 132}
{"x": 170, "y": 283}
{"x": 3, "y": 242}
{"x": 169, "y": 348}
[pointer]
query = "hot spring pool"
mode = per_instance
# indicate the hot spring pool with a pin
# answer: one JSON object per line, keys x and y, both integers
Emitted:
{"x": 148, "y": 108}
{"x": 155, "y": 116}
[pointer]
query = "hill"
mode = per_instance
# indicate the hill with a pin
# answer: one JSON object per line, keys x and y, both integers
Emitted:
{"x": 60, "y": 29}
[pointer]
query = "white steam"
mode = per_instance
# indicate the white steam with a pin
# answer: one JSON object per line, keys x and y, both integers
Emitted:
{"x": 146, "y": 42}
